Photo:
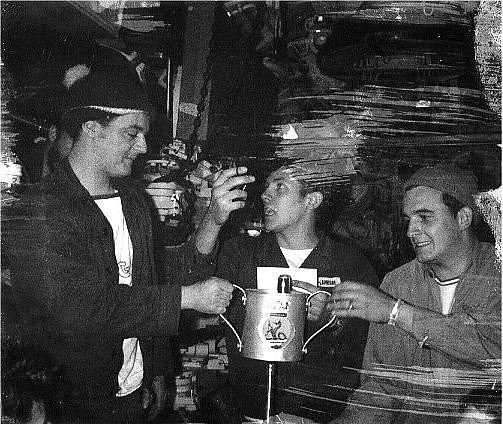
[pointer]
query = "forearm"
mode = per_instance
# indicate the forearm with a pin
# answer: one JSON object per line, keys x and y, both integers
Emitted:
{"x": 185, "y": 264}
{"x": 206, "y": 236}
{"x": 462, "y": 336}
{"x": 87, "y": 306}
{"x": 187, "y": 301}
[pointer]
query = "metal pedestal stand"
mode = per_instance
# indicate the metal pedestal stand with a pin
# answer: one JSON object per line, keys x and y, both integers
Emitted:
{"x": 269, "y": 393}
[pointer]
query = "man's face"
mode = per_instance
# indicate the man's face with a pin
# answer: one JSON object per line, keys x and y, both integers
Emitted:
{"x": 123, "y": 139}
{"x": 432, "y": 229}
{"x": 284, "y": 206}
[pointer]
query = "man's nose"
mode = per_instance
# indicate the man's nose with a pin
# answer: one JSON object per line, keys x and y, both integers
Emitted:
{"x": 412, "y": 228}
{"x": 266, "y": 197}
{"x": 141, "y": 144}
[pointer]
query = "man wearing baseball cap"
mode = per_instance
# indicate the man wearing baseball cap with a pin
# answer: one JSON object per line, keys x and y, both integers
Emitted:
{"x": 435, "y": 319}
{"x": 81, "y": 253}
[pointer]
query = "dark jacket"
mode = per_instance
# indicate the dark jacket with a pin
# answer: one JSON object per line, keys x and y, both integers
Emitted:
{"x": 60, "y": 250}
{"x": 327, "y": 353}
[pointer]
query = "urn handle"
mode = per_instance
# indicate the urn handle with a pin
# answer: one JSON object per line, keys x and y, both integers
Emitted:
{"x": 240, "y": 343}
{"x": 328, "y": 324}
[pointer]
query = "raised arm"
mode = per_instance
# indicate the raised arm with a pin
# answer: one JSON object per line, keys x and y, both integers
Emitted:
{"x": 226, "y": 196}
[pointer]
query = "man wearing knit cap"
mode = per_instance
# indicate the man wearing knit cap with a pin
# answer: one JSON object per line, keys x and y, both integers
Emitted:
{"x": 81, "y": 253}
{"x": 436, "y": 319}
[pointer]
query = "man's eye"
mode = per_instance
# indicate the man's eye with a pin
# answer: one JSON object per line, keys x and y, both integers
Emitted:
{"x": 132, "y": 134}
{"x": 281, "y": 186}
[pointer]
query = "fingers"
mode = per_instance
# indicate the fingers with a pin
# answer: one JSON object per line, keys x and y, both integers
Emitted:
{"x": 342, "y": 304}
{"x": 314, "y": 311}
{"x": 221, "y": 295}
{"x": 346, "y": 300}
{"x": 350, "y": 292}
{"x": 211, "y": 296}
{"x": 232, "y": 177}
{"x": 316, "y": 306}
{"x": 228, "y": 193}
{"x": 306, "y": 286}
{"x": 349, "y": 287}
{"x": 347, "y": 313}
{"x": 229, "y": 197}
{"x": 222, "y": 284}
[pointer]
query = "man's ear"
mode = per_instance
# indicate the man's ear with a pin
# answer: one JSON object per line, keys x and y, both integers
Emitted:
{"x": 464, "y": 217}
{"x": 314, "y": 199}
{"x": 91, "y": 128}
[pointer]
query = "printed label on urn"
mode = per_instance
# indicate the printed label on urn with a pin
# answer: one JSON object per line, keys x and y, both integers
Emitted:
{"x": 277, "y": 305}
{"x": 276, "y": 330}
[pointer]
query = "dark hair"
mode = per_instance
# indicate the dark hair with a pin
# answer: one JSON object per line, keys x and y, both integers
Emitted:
{"x": 306, "y": 188}
{"x": 72, "y": 120}
{"x": 453, "y": 204}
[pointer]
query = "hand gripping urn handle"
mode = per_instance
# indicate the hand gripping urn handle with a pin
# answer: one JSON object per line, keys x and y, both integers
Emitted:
{"x": 240, "y": 343}
{"x": 328, "y": 324}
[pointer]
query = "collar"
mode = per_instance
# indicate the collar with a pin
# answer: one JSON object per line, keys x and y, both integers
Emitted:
{"x": 446, "y": 282}
{"x": 64, "y": 180}
{"x": 430, "y": 273}
{"x": 270, "y": 249}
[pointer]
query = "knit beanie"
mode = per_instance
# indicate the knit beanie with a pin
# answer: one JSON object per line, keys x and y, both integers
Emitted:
{"x": 110, "y": 93}
{"x": 459, "y": 183}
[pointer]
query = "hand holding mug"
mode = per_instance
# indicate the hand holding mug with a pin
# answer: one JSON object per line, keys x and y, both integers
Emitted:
{"x": 228, "y": 193}
{"x": 351, "y": 299}
{"x": 211, "y": 296}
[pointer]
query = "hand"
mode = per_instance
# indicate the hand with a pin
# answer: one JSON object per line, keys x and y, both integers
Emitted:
{"x": 350, "y": 299}
{"x": 155, "y": 398}
{"x": 316, "y": 303}
{"x": 225, "y": 192}
{"x": 211, "y": 296}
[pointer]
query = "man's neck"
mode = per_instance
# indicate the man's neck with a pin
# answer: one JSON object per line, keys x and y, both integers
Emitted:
{"x": 298, "y": 239}
{"x": 96, "y": 183}
{"x": 457, "y": 265}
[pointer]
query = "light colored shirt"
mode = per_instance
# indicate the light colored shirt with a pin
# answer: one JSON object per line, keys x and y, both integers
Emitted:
{"x": 295, "y": 258}
{"x": 131, "y": 374}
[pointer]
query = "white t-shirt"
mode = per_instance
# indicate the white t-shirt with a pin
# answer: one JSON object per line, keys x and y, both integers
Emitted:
{"x": 447, "y": 297}
{"x": 295, "y": 258}
{"x": 131, "y": 374}
{"x": 447, "y": 290}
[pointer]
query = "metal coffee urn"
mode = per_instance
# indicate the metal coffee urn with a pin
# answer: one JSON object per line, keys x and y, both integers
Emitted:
{"x": 273, "y": 329}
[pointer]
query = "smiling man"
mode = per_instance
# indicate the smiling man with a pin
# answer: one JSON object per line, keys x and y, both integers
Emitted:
{"x": 80, "y": 248}
{"x": 292, "y": 240}
{"x": 437, "y": 314}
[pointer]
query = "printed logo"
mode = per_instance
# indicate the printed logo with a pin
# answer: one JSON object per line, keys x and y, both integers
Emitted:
{"x": 124, "y": 269}
{"x": 276, "y": 330}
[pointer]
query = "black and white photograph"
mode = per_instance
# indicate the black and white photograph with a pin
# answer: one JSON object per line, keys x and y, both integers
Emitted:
{"x": 228, "y": 212}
